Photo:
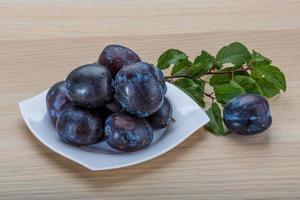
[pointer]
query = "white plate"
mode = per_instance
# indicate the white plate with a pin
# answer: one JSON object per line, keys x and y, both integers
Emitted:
{"x": 188, "y": 115}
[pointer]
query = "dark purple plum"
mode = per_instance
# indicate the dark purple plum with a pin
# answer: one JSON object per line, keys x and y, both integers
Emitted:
{"x": 160, "y": 78}
{"x": 56, "y": 100}
{"x": 103, "y": 112}
{"x": 247, "y": 114}
{"x": 89, "y": 86}
{"x": 79, "y": 126}
{"x": 109, "y": 109}
{"x": 163, "y": 117}
{"x": 114, "y": 107}
{"x": 127, "y": 133}
{"x": 114, "y": 57}
{"x": 137, "y": 90}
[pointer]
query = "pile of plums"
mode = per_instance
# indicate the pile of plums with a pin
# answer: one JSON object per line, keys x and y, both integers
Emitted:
{"x": 119, "y": 100}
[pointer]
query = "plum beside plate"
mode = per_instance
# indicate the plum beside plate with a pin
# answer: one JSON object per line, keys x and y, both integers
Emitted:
{"x": 188, "y": 115}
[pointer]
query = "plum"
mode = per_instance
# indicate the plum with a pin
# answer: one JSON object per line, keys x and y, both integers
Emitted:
{"x": 163, "y": 117}
{"x": 89, "y": 86}
{"x": 114, "y": 57}
{"x": 247, "y": 114}
{"x": 160, "y": 78}
{"x": 114, "y": 107}
{"x": 79, "y": 126}
{"x": 127, "y": 133}
{"x": 137, "y": 89}
{"x": 56, "y": 100}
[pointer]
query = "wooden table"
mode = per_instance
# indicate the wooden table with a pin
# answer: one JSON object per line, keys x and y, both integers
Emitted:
{"x": 40, "y": 42}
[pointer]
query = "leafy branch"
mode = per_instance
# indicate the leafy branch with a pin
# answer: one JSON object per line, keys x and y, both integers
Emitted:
{"x": 249, "y": 73}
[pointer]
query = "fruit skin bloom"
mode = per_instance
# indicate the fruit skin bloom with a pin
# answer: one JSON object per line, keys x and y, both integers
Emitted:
{"x": 79, "y": 126}
{"x": 247, "y": 114}
{"x": 127, "y": 133}
{"x": 138, "y": 89}
{"x": 163, "y": 117}
{"x": 56, "y": 100}
{"x": 115, "y": 57}
{"x": 89, "y": 86}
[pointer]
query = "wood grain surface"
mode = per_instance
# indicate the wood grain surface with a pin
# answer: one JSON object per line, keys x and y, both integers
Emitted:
{"x": 41, "y": 41}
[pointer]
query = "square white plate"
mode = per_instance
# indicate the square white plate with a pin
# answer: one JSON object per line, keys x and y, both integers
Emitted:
{"x": 188, "y": 115}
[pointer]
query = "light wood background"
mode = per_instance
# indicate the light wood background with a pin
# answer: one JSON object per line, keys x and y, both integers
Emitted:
{"x": 41, "y": 41}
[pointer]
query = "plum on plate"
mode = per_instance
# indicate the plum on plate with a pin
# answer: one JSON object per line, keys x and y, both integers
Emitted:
{"x": 89, "y": 85}
{"x": 138, "y": 90}
{"x": 114, "y": 107}
{"x": 160, "y": 78}
{"x": 247, "y": 114}
{"x": 79, "y": 126}
{"x": 163, "y": 117}
{"x": 127, "y": 133}
{"x": 114, "y": 57}
{"x": 56, "y": 100}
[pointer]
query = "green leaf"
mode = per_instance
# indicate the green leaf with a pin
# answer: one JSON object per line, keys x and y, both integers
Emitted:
{"x": 248, "y": 84}
{"x": 169, "y": 57}
{"x": 194, "y": 88}
{"x": 235, "y": 53}
{"x": 215, "y": 125}
{"x": 219, "y": 79}
{"x": 204, "y": 57}
{"x": 181, "y": 67}
{"x": 226, "y": 92}
{"x": 258, "y": 59}
{"x": 236, "y": 85}
{"x": 271, "y": 73}
{"x": 202, "y": 64}
{"x": 268, "y": 89}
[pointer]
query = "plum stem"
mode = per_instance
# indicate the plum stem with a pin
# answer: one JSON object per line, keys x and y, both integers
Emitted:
{"x": 173, "y": 120}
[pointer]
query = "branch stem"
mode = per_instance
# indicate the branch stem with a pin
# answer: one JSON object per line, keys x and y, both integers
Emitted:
{"x": 176, "y": 76}
{"x": 242, "y": 69}
{"x": 210, "y": 95}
